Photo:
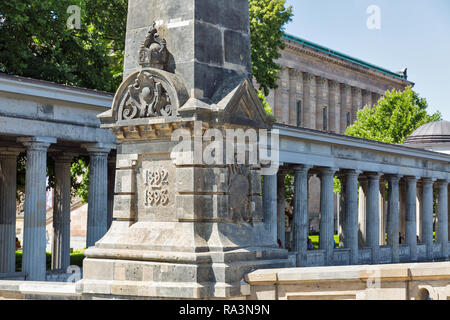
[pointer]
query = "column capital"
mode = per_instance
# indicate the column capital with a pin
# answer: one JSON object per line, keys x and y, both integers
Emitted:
{"x": 37, "y": 143}
{"x": 302, "y": 167}
{"x": 63, "y": 157}
{"x": 393, "y": 177}
{"x": 6, "y": 152}
{"x": 411, "y": 178}
{"x": 328, "y": 170}
{"x": 351, "y": 172}
{"x": 442, "y": 182}
{"x": 428, "y": 180}
{"x": 98, "y": 147}
{"x": 373, "y": 175}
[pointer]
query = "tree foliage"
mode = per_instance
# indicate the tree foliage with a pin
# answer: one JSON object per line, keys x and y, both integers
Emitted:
{"x": 394, "y": 118}
{"x": 267, "y": 20}
{"x": 36, "y": 42}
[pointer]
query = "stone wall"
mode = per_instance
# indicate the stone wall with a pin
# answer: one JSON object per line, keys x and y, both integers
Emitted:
{"x": 377, "y": 282}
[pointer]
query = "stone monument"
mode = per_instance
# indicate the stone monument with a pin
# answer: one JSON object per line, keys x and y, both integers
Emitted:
{"x": 188, "y": 215}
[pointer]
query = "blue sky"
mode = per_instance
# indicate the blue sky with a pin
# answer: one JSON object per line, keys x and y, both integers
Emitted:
{"x": 413, "y": 34}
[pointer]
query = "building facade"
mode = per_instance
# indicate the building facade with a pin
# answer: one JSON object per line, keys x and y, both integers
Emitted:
{"x": 323, "y": 89}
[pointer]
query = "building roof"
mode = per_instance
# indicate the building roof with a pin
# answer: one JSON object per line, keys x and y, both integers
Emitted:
{"x": 433, "y": 132}
{"x": 343, "y": 56}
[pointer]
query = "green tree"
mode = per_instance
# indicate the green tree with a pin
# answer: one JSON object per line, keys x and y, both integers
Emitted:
{"x": 267, "y": 20}
{"x": 36, "y": 42}
{"x": 394, "y": 118}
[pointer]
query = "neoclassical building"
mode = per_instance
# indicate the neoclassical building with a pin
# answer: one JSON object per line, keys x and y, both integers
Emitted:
{"x": 322, "y": 89}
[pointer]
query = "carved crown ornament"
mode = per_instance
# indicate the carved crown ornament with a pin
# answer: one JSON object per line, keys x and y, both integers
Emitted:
{"x": 153, "y": 52}
{"x": 150, "y": 92}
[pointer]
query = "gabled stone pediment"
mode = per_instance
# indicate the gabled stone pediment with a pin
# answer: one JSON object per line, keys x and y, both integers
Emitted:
{"x": 242, "y": 106}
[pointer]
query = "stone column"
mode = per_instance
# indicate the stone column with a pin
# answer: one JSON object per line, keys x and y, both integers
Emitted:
{"x": 382, "y": 214}
{"x": 393, "y": 217}
{"x": 356, "y": 102}
{"x": 326, "y": 237}
{"x": 346, "y": 105}
{"x": 111, "y": 184}
{"x": 270, "y": 206}
{"x": 300, "y": 224}
{"x": 285, "y": 99}
{"x": 369, "y": 99}
{"x": 334, "y": 106}
{"x": 320, "y": 90}
{"x": 309, "y": 100}
{"x": 442, "y": 215}
{"x": 419, "y": 210}
{"x": 61, "y": 213}
{"x": 372, "y": 217}
{"x": 292, "y": 97}
{"x": 97, "y": 197}
{"x": 402, "y": 208}
{"x": 362, "y": 214}
{"x": 8, "y": 172}
{"x": 351, "y": 214}
{"x": 299, "y": 96}
{"x": 278, "y": 104}
{"x": 281, "y": 206}
{"x": 427, "y": 216}
{"x": 410, "y": 208}
{"x": 34, "y": 239}
{"x": 365, "y": 100}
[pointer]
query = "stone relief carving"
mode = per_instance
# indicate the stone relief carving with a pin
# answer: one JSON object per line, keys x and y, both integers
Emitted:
{"x": 144, "y": 98}
{"x": 239, "y": 187}
{"x": 156, "y": 183}
{"x": 153, "y": 52}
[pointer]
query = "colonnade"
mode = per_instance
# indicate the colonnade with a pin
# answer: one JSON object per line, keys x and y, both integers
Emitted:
{"x": 34, "y": 233}
{"x": 418, "y": 218}
{"x": 307, "y": 100}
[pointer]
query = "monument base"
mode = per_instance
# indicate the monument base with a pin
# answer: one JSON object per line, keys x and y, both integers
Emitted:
{"x": 212, "y": 275}
{"x": 177, "y": 261}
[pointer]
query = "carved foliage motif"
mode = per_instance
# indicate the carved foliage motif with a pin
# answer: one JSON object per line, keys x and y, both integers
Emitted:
{"x": 145, "y": 97}
{"x": 239, "y": 189}
{"x": 156, "y": 193}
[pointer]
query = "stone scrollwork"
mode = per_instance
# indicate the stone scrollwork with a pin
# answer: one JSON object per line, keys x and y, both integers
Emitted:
{"x": 144, "y": 98}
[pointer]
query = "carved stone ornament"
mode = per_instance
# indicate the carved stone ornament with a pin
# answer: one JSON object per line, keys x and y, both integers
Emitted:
{"x": 149, "y": 93}
{"x": 153, "y": 52}
{"x": 156, "y": 183}
{"x": 239, "y": 190}
{"x": 146, "y": 97}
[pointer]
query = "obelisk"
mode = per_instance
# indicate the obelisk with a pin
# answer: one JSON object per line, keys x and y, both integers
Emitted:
{"x": 186, "y": 224}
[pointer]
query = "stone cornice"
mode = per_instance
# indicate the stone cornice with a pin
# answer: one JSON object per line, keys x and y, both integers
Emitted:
{"x": 50, "y": 90}
{"x": 297, "y": 48}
